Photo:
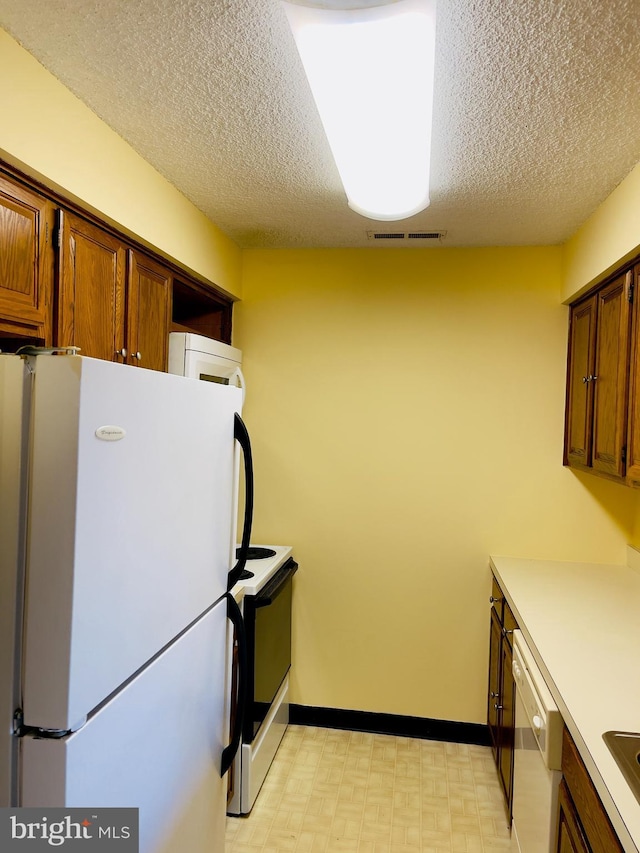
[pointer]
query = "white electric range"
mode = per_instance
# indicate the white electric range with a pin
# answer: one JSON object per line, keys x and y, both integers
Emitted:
{"x": 263, "y": 568}
{"x": 266, "y": 604}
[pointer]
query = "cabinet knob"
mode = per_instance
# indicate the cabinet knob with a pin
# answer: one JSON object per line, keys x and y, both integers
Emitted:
{"x": 137, "y": 355}
{"x": 494, "y": 695}
{"x": 499, "y": 707}
{"x": 122, "y": 352}
{"x": 493, "y": 600}
{"x": 590, "y": 378}
{"x": 507, "y": 631}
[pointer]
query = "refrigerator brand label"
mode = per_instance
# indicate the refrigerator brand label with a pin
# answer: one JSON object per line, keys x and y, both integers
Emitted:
{"x": 110, "y": 433}
{"x": 103, "y": 830}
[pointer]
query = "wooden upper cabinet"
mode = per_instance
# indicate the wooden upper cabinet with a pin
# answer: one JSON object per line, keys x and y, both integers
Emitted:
{"x": 610, "y": 380}
{"x": 633, "y": 426}
{"x": 148, "y": 311}
{"x": 582, "y": 347}
{"x": 26, "y": 262}
{"x": 91, "y": 289}
{"x": 66, "y": 280}
{"x": 597, "y": 380}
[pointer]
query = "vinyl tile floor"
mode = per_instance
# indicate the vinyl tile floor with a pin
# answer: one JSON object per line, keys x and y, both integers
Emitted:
{"x": 331, "y": 791}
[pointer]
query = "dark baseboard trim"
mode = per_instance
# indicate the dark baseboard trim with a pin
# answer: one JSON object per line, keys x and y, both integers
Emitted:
{"x": 390, "y": 724}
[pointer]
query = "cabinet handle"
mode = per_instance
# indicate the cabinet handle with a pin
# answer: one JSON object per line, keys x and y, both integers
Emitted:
{"x": 122, "y": 352}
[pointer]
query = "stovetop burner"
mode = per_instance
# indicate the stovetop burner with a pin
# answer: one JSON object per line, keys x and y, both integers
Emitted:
{"x": 256, "y": 553}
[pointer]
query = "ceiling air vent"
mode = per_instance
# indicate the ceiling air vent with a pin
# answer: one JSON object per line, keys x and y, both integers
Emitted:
{"x": 406, "y": 235}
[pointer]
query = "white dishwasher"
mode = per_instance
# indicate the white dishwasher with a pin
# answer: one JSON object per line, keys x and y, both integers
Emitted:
{"x": 537, "y": 755}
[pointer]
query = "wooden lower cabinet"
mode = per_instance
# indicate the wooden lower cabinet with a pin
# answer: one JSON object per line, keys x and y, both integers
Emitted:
{"x": 501, "y": 692}
{"x": 570, "y": 836}
{"x": 583, "y": 825}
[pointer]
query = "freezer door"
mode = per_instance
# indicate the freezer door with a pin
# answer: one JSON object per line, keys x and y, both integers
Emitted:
{"x": 156, "y": 746}
{"x": 129, "y": 540}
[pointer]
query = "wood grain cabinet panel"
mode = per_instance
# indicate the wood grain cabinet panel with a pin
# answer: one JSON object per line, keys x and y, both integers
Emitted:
{"x": 570, "y": 838}
{"x": 633, "y": 426}
{"x": 26, "y": 262}
{"x": 501, "y": 692}
{"x": 596, "y": 417}
{"x": 583, "y": 823}
{"x": 611, "y": 378}
{"x": 149, "y": 287}
{"x": 582, "y": 348}
{"x": 114, "y": 301}
{"x": 91, "y": 289}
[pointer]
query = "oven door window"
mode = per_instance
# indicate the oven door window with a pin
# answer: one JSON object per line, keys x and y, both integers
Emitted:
{"x": 272, "y": 651}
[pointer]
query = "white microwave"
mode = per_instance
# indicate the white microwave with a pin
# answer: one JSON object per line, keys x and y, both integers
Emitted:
{"x": 203, "y": 358}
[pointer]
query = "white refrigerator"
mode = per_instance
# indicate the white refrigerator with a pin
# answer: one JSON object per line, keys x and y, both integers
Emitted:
{"x": 117, "y": 528}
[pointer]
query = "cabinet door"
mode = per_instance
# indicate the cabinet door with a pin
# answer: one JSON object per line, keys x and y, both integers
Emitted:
{"x": 26, "y": 260}
{"x": 610, "y": 378}
{"x": 91, "y": 299}
{"x": 507, "y": 722}
{"x": 633, "y": 430}
{"x": 148, "y": 311}
{"x": 582, "y": 341}
{"x": 570, "y": 838}
{"x": 493, "y": 702}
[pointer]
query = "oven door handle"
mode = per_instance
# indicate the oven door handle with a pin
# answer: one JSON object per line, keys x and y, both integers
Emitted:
{"x": 235, "y": 617}
{"x": 276, "y": 585}
{"x": 241, "y": 435}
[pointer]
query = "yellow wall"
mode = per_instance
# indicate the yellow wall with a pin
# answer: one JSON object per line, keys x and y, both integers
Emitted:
{"x": 48, "y": 133}
{"x": 610, "y": 236}
{"x": 407, "y": 414}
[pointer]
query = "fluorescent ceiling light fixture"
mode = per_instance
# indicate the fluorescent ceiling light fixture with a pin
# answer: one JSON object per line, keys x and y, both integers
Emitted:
{"x": 371, "y": 74}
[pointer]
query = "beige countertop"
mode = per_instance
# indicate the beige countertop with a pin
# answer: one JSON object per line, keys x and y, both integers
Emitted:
{"x": 582, "y": 623}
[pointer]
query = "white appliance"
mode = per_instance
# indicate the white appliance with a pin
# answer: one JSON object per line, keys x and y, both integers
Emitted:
{"x": 537, "y": 755}
{"x": 203, "y": 358}
{"x": 116, "y": 518}
{"x": 267, "y": 617}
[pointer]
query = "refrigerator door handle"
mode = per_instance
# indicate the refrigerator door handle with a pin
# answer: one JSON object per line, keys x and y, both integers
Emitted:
{"x": 235, "y": 616}
{"x": 242, "y": 437}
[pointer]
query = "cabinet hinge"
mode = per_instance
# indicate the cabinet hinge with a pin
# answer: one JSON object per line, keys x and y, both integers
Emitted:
{"x": 630, "y": 287}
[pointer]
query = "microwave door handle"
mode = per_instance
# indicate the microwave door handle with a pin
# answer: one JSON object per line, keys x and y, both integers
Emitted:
{"x": 235, "y": 617}
{"x": 241, "y": 435}
{"x": 276, "y": 585}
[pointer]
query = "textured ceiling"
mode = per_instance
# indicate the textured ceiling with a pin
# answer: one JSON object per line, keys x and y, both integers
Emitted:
{"x": 536, "y": 112}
